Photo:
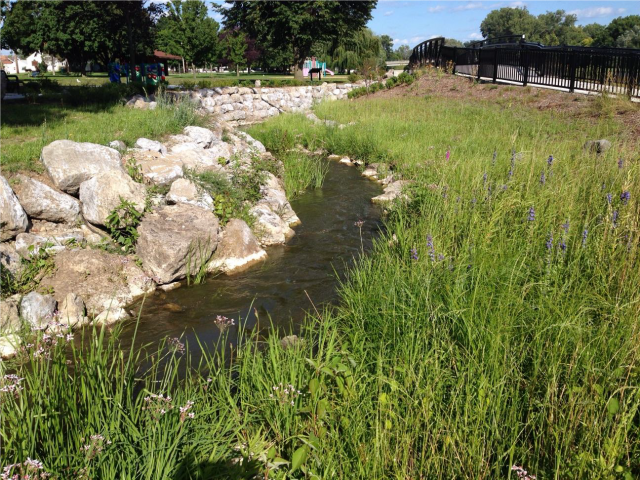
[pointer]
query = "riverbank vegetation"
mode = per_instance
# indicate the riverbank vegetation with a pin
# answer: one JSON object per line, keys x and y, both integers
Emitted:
{"x": 495, "y": 324}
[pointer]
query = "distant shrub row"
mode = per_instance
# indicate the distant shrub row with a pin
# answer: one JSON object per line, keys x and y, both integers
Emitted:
{"x": 194, "y": 85}
{"x": 404, "y": 78}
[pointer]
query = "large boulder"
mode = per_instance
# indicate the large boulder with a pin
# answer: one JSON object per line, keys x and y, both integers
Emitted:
{"x": 43, "y": 202}
{"x": 101, "y": 279}
{"x": 185, "y": 191}
{"x": 252, "y": 142}
{"x": 104, "y": 192}
{"x": 202, "y": 136}
{"x": 72, "y": 311}
{"x": 392, "y": 191}
{"x": 28, "y": 244}
{"x": 13, "y": 218}
{"x": 71, "y": 163}
{"x": 10, "y": 260}
{"x": 237, "y": 250}
{"x": 37, "y": 309}
{"x": 274, "y": 196}
{"x": 176, "y": 241}
{"x": 270, "y": 228}
{"x": 152, "y": 145}
{"x": 9, "y": 314}
{"x": 160, "y": 170}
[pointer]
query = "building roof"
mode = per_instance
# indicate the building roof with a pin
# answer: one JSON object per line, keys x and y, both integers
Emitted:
{"x": 165, "y": 56}
{"x": 6, "y": 59}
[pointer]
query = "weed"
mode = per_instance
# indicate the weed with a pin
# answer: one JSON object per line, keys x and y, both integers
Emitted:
{"x": 134, "y": 170}
{"x": 32, "y": 270}
{"x": 122, "y": 225}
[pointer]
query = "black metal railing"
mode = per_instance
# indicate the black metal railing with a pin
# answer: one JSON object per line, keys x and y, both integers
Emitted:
{"x": 612, "y": 70}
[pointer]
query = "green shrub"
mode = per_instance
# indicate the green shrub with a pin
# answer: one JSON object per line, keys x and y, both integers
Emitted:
{"x": 391, "y": 82}
{"x": 354, "y": 77}
{"x": 406, "y": 78}
{"x": 122, "y": 225}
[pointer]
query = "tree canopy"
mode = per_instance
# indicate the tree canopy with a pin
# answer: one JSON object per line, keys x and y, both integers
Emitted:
{"x": 297, "y": 26}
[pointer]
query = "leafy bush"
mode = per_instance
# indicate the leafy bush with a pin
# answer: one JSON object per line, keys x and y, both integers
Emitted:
{"x": 32, "y": 269}
{"x": 406, "y": 78}
{"x": 391, "y": 82}
{"x": 354, "y": 77}
{"x": 122, "y": 225}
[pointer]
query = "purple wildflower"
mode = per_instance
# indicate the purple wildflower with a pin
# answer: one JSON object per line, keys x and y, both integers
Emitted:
{"x": 543, "y": 178}
{"x": 624, "y": 197}
{"x": 532, "y": 214}
{"x": 447, "y": 156}
{"x": 432, "y": 253}
{"x": 585, "y": 234}
{"x": 414, "y": 254}
{"x": 609, "y": 198}
{"x": 440, "y": 257}
{"x": 550, "y": 160}
{"x": 565, "y": 226}
{"x": 563, "y": 246}
{"x": 620, "y": 164}
{"x": 550, "y": 241}
{"x": 604, "y": 185}
{"x": 614, "y": 219}
{"x": 504, "y": 187}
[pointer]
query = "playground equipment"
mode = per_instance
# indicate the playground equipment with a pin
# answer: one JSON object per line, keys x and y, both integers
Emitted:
{"x": 146, "y": 73}
{"x": 316, "y": 66}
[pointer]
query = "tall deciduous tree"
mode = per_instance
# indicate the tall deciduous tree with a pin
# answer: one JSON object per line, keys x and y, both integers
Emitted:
{"x": 298, "y": 25}
{"x": 233, "y": 49}
{"x": 188, "y": 31}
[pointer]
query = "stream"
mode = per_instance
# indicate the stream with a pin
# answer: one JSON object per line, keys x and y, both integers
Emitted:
{"x": 280, "y": 290}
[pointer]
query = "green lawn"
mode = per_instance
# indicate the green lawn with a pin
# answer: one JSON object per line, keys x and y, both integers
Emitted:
{"x": 495, "y": 323}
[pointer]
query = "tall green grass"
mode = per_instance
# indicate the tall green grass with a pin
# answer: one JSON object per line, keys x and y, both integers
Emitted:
{"x": 301, "y": 172}
{"x": 477, "y": 335}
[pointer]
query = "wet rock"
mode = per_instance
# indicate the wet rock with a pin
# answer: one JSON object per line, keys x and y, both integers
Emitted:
{"x": 274, "y": 196}
{"x": 185, "y": 191}
{"x": 71, "y": 163}
{"x": 597, "y": 146}
{"x": 176, "y": 240}
{"x": 28, "y": 244}
{"x": 111, "y": 316}
{"x": 169, "y": 286}
{"x": 270, "y": 228}
{"x": 9, "y": 314}
{"x": 37, "y": 309}
{"x": 347, "y": 161}
{"x": 391, "y": 192}
{"x": 43, "y": 202}
{"x": 237, "y": 250}
{"x": 101, "y": 279}
{"x": 72, "y": 311}
{"x": 151, "y": 145}
{"x": 13, "y": 218}
{"x": 371, "y": 171}
{"x": 202, "y": 136}
{"x": 104, "y": 192}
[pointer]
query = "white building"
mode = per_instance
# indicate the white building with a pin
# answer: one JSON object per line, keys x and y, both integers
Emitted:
{"x": 12, "y": 64}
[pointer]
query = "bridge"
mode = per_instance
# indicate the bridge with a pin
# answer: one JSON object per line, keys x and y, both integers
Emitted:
{"x": 397, "y": 63}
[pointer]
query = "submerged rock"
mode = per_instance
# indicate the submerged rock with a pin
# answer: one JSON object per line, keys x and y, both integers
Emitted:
{"x": 43, "y": 202}
{"x": 237, "y": 250}
{"x": 101, "y": 279}
{"x": 103, "y": 193}
{"x": 176, "y": 240}
{"x": 71, "y": 163}
{"x": 13, "y": 218}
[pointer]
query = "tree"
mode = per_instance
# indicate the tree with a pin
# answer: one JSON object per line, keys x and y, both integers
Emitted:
{"x": 234, "y": 46}
{"x": 387, "y": 45}
{"x": 508, "y": 21}
{"x": 350, "y": 52}
{"x": 592, "y": 31}
{"x": 615, "y": 29}
{"x": 452, "y": 42}
{"x": 188, "y": 31}
{"x": 298, "y": 25}
{"x": 630, "y": 38}
{"x": 403, "y": 52}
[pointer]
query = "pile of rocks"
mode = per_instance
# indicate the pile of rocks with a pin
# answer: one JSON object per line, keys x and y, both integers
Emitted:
{"x": 244, "y": 105}
{"x": 67, "y": 213}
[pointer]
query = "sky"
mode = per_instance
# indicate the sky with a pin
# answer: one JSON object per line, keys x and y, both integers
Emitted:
{"x": 412, "y": 22}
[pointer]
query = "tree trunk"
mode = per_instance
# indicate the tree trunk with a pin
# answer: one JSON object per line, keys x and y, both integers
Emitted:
{"x": 193, "y": 67}
{"x": 298, "y": 67}
{"x": 238, "y": 71}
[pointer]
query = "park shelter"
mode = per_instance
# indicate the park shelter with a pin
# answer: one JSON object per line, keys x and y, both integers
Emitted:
{"x": 163, "y": 58}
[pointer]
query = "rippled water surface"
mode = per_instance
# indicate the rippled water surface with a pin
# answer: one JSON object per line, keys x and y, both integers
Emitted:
{"x": 308, "y": 267}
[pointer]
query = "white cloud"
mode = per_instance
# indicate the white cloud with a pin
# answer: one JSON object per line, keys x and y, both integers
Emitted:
{"x": 517, "y": 4}
{"x": 390, "y": 12}
{"x": 475, "y": 36}
{"x": 437, "y": 9}
{"x": 595, "y": 12}
{"x": 413, "y": 41}
{"x": 469, "y": 6}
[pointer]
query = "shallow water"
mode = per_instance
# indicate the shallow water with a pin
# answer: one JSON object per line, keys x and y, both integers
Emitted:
{"x": 282, "y": 287}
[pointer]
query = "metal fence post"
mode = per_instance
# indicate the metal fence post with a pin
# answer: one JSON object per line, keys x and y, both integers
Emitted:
{"x": 495, "y": 65}
{"x": 572, "y": 71}
{"x": 479, "y": 63}
{"x": 524, "y": 57}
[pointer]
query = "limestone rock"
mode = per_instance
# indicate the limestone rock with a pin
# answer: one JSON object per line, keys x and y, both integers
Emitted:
{"x": 104, "y": 192}
{"x": 9, "y": 314}
{"x": 101, "y": 279}
{"x": 176, "y": 240}
{"x": 291, "y": 341}
{"x": 37, "y": 309}
{"x": 391, "y": 192}
{"x": 72, "y": 311}
{"x": 10, "y": 260}
{"x": 111, "y": 316}
{"x": 43, "y": 202}
{"x": 237, "y": 250}
{"x": 152, "y": 145}
{"x": 252, "y": 142}
{"x": 274, "y": 196}
{"x": 9, "y": 345}
{"x": 202, "y": 136}
{"x": 28, "y": 244}
{"x": 185, "y": 191}
{"x": 270, "y": 228}
{"x": 160, "y": 170}
{"x": 118, "y": 145}
{"x": 597, "y": 146}
{"x": 13, "y": 218}
{"x": 371, "y": 171}
{"x": 71, "y": 163}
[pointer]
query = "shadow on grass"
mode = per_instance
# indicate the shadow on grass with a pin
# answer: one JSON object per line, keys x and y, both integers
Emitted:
{"x": 190, "y": 469}
{"x": 23, "y": 113}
